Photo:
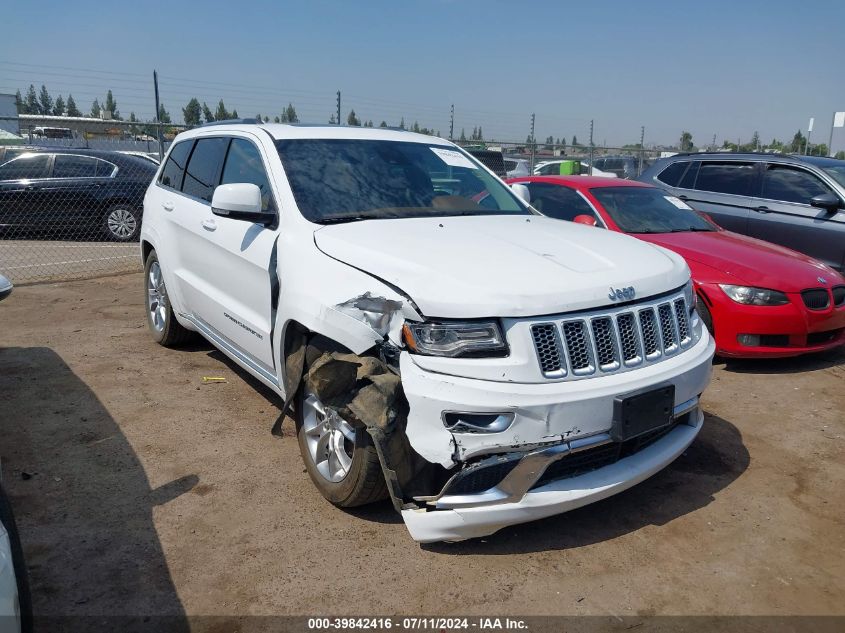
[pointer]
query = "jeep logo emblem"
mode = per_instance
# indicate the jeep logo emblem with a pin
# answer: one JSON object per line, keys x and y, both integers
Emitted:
{"x": 621, "y": 294}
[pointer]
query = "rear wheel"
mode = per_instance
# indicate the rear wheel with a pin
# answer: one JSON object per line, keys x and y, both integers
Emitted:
{"x": 164, "y": 327}
{"x": 122, "y": 223}
{"x": 342, "y": 462}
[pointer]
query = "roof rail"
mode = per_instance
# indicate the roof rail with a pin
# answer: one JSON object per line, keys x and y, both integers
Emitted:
{"x": 727, "y": 151}
{"x": 233, "y": 122}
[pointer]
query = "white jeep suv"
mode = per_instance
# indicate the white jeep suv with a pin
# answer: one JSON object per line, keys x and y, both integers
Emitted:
{"x": 438, "y": 342}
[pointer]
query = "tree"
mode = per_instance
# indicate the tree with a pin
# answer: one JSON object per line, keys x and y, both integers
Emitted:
{"x": 266, "y": 119}
{"x": 72, "y": 110}
{"x": 550, "y": 142}
{"x": 415, "y": 127}
{"x": 840, "y": 155}
{"x": 755, "y": 142}
{"x": 402, "y": 124}
{"x": 352, "y": 119}
{"x": 686, "y": 142}
{"x": 290, "y": 114}
{"x": 31, "y": 102}
{"x": 332, "y": 120}
{"x": 192, "y": 112}
{"x": 480, "y": 134}
{"x": 574, "y": 141}
{"x": 163, "y": 114}
{"x": 463, "y": 136}
{"x": 235, "y": 114}
{"x": 222, "y": 113}
{"x": 819, "y": 150}
{"x": 797, "y": 142}
{"x": 276, "y": 119}
{"x": 111, "y": 106}
{"x": 45, "y": 101}
{"x": 95, "y": 109}
{"x": 383, "y": 124}
{"x": 19, "y": 105}
{"x": 59, "y": 106}
{"x": 206, "y": 113}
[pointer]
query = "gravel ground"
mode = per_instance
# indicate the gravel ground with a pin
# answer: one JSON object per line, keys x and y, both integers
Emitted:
{"x": 140, "y": 489}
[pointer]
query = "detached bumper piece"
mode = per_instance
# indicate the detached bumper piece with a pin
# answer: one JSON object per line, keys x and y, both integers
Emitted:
{"x": 520, "y": 487}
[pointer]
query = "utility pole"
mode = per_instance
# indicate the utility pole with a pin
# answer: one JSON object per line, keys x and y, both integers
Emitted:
{"x": 591, "y": 147}
{"x": 809, "y": 132}
{"x": 338, "y": 107}
{"x": 158, "y": 120}
{"x": 533, "y": 143}
{"x": 830, "y": 138}
{"x": 642, "y": 150}
{"x": 452, "y": 123}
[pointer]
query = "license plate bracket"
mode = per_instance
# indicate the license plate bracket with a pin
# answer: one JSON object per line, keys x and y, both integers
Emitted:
{"x": 642, "y": 411}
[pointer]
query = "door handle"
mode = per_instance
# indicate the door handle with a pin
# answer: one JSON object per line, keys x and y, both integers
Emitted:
{"x": 168, "y": 206}
{"x": 209, "y": 225}
{"x": 683, "y": 197}
{"x": 762, "y": 209}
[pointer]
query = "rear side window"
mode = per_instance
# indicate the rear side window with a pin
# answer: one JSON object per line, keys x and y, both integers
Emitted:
{"x": 554, "y": 201}
{"x": 673, "y": 173}
{"x": 203, "y": 171}
{"x": 730, "y": 177}
{"x": 26, "y": 168}
{"x": 174, "y": 168}
{"x": 244, "y": 164}
{"x": 70, "y": 166}
{"x": 791, "y": 185}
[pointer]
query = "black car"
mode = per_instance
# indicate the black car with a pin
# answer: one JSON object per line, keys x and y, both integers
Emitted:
{"x": 794, "y": 201}
{"x": 622, "y": 166}
{"x": 73, "y": 194}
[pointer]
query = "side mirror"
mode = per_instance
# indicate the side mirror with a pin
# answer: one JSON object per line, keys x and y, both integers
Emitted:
{"x": 584, "y": 219}
{"x": 522, "y": 192}
{"x": 827, "y": 201}
{"x": 240, "y": 201}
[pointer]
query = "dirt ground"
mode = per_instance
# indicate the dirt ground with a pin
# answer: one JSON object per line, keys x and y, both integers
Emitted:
{"x": 141, "y": 490}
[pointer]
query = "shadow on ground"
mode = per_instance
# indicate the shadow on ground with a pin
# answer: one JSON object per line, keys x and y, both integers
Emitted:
{"x": 83, "y": 501}
{"x": 714, "y": 460}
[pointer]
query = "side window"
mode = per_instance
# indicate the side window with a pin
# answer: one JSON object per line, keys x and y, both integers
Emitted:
{"x": 732, "y": 177}
{"x": 70, "y": 166}
{"x": 174, "y": 168}
{"x": 561, "y": 203}
{"x": 688, "y": 181}
{"x": 104, "y": 168}
{"x": 203, "y": 171}
{"x": 550, "y": 170}
{"x": 673, "y": 173}
{"x": 26, "y": 168}
{"x": 791, "y": 185}
{"x": 244, "y": 164}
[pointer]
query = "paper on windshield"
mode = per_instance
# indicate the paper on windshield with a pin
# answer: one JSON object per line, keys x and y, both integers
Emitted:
{"x": 678, "y": 203}
{"x": 453, "y": 158}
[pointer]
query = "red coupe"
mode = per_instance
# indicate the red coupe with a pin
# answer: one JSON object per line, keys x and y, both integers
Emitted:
{"x": 757, "y": 299}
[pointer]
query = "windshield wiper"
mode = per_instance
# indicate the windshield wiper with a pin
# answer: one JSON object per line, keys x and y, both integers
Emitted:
{"x": 340, "y": 219}
{"x": 690, "y": 229}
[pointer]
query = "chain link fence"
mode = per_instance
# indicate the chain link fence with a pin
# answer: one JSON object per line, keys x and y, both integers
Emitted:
{"x": 71, "y": 203}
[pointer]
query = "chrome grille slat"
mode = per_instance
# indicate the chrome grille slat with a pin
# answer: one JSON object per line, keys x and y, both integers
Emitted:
{"x": 613, "y": 340}
{"x": 668, "y": 337}
{"x": 578, "y": 347}
{"x": 549, "y": 352}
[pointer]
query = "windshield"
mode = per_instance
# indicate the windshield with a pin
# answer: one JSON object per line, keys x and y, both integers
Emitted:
{"x": 837, "y": 172}
{"x": 341, "y": 180}
{"x": 649, "y": 210}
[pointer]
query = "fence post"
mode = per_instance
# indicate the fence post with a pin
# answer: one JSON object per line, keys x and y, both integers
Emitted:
{"x": 158, "y": 121}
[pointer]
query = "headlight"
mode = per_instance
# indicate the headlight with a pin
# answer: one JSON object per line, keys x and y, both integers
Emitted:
{"x": 690, "y": 296}
{"x": 755, "y": 296}
{"x": 482, "y": 338}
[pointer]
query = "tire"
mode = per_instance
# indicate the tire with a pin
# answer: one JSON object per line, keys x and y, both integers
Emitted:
{"x": 122, "y": 223}
{"x": 161, "y": 321}
{"x": 363, "y": 480}
{"x": 706, "y": 317}
{"x": 21, "y": 576}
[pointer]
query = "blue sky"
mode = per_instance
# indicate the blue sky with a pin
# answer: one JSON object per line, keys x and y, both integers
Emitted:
{"x": 711, "y": 67}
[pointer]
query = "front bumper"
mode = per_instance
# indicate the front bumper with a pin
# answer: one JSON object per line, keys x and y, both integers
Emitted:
{"x": 787, "y": 330}
{"x": 429, "y": 525}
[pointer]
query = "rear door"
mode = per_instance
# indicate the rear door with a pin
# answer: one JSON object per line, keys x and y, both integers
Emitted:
{"x": 229, "y": 275}
{"x": 724, "y": 189}
{"x": 72, "y": 195}
{"x": 783, "y": 215}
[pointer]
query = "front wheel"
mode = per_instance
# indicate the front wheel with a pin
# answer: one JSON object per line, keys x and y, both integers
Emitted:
{"x": 164, "y": 327}
{"x": 24, "y": 599}
{"x": 122, "y": 223}
{"x": 341, "y": 461}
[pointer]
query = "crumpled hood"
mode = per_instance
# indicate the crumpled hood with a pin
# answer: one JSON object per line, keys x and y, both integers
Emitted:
{"x": 501, "y": 266}
{"x": 746, "y": 260}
